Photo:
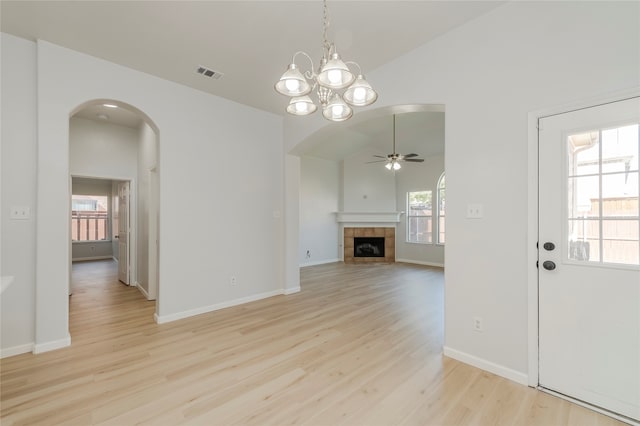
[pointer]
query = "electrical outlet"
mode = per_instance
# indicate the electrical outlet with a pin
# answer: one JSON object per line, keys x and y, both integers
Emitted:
{"x": 233, "y": 281}
{"x": 477, "y": 324}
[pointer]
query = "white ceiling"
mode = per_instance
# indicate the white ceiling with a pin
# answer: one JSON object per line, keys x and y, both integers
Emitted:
{"x": 120, "y": 116}
{"x": 420, "y": 132}
{"x": 251, "y": 42}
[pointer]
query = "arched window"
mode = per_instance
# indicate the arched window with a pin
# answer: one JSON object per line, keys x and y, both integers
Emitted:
{"x": 440, "y": 210}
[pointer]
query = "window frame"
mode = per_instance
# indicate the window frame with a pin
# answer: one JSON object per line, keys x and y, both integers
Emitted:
{"x": 440, "y": 187}
{"x": 409, "y": 216}
{"x": 572, "y": 174}
{"x": 108, "y": 231}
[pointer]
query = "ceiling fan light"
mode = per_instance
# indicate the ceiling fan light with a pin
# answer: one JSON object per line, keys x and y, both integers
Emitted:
{"x": 337, "y": 109}
{"x": 388, "y": 166}
{"x": 301, "y": 105}
{"x": 335, "y": 74}
{"x": 396, "y": 166}
{"x": 360, "y": 93}
{"x": 292, "y": 82}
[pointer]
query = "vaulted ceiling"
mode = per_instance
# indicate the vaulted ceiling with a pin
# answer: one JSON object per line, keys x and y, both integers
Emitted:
{"x": 250, "y": 42}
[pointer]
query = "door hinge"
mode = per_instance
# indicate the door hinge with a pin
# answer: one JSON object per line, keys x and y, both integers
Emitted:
{"x": 537, "y": 262}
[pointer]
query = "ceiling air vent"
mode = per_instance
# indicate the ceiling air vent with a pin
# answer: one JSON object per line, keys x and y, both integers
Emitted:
{"x": 207, "y": 72}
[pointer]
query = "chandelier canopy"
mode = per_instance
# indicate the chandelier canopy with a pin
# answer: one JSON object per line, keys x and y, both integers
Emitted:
{"x": 336, "y": 87}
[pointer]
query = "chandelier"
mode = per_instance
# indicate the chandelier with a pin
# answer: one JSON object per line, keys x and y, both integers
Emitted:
{"x": 332, "y": 76}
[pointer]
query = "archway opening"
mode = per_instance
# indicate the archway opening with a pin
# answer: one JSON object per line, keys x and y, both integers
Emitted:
{"x": 114, "y": 152}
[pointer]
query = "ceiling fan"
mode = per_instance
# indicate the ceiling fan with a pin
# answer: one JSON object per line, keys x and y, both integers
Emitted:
{"x": 393, "y": 160}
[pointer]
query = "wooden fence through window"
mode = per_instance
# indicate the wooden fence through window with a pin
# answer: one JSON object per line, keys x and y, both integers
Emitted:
{"x": 89, "y": 225}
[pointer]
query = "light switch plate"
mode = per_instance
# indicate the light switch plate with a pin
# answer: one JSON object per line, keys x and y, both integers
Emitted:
{"x": 474, "y": 211}
{"x": 20, "y": 212}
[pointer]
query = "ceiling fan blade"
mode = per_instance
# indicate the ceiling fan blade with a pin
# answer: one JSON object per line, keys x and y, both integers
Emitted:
{"x": 410, "y": 155}
{"x": 414, "y": 160}
{"x": 379, "y": 156}
{"x": 377, "y": 161}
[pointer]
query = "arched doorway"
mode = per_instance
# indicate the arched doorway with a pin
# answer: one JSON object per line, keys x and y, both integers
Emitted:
{"x": 115, "y": 145}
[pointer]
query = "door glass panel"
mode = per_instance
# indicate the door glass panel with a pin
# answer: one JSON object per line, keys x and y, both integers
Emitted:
{"x": 584, "y": 153}
{"x": 602, "y": 193}
{"x": 620, "y": 195}
{"x": 584, "y": 193}
{"x": 620, "y": 241}
{"x": 584, "y": 241}
{"x": 620, "y": 149}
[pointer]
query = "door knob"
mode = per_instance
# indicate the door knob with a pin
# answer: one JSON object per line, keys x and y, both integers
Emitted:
{"x": 548, "y": 265}
{"x": 548, "y": 246}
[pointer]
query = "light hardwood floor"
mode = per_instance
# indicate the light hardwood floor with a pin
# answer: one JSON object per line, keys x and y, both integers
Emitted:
{"x": 360, "y": 345}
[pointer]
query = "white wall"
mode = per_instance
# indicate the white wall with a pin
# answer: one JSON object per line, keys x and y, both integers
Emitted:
{"x": 490, "y": 73}
{"x": 101, "y": 149}
{"x": 367, "y": 187}
{"x": 94, "y": 250}
{"x": 237, "y": 202}
{"x": 100, "y": 187}
{"x": 418, "y": 177}
{"x": 319, "y": 199}
{"x": 147, "y": 160}
{"x": 291, "y": 272}
{"x": 18, "y": 175}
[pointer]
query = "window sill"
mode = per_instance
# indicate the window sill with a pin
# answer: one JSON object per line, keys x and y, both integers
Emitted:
{"x": 91, "y": 241}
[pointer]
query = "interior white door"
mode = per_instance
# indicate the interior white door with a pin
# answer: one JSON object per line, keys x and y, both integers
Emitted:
{"x": 123, "y": 232}
{"x": 589, "y": 256}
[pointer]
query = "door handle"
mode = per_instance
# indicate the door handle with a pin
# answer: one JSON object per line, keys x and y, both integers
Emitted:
{"x": 116, "y": 236}
{"x": 549, "y": 265}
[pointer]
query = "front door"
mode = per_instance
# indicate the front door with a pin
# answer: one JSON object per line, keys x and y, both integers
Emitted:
{"x": 589, "y": 256}
{"x": 123, "y": 232}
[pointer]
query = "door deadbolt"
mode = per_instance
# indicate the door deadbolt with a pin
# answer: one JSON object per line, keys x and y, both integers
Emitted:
{"x": 548, "y": 246}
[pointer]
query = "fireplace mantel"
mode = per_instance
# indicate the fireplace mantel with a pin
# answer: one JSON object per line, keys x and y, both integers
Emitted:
{"x": 380, "y": 217}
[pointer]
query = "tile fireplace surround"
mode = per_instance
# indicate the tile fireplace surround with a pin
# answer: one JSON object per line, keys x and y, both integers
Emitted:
{"x": 389, "y": 235}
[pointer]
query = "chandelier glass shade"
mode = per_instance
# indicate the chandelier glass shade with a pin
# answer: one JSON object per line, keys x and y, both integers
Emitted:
{"x": 327, "y": 82}
{"x": 301, "y": 105}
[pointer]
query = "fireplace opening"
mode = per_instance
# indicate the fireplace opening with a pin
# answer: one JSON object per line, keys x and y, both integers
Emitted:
{"x": 368, "y": 247}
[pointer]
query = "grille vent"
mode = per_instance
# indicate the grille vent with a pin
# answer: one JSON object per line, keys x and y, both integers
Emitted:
{"x": 208, "y": 72}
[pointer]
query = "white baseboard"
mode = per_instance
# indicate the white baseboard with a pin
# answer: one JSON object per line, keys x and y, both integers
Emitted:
{"x": 489, "y": 366}
{"x": 142, "y": 290}
{"x": 82, "y": 259}
{"x": 16, "y": 350}
{"x": 52, "y": 346}
{"x": 161, "y": 319}
{"x": 293, "y": 290}
{"x": 419, "y": 262}
{"x": 319, "y": 262}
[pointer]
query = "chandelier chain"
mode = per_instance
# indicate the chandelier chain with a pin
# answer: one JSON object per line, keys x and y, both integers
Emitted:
{"x": 326, "y": 46}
